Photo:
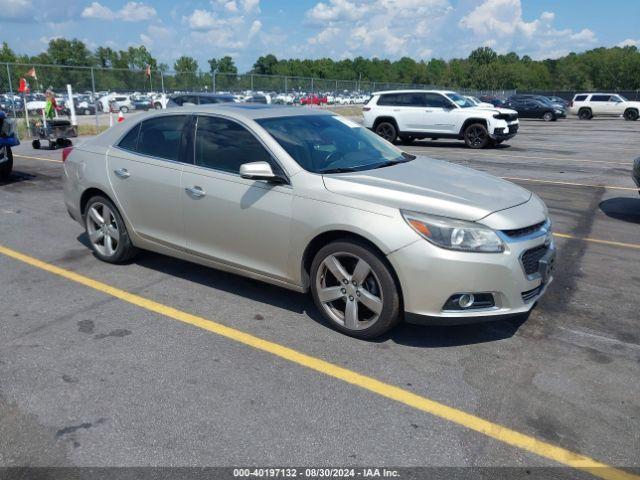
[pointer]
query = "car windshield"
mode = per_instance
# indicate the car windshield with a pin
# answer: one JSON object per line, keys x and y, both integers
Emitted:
{"x": 459, "y": 100}
{"x": 332, "y": 144}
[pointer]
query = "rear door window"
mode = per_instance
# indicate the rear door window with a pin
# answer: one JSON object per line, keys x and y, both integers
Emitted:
{"x": 435, "y": 100}
{"x": 600, "y": 98}
{"x": 224, "y": 145}
{"x": 130, "y": 140}
{"x": 161, "y": 136}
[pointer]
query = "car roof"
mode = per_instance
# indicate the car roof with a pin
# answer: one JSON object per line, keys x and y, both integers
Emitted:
{"x": 203, "y": 94}
{"x": 415, "y": 90}
{"x": 254, "y": 111}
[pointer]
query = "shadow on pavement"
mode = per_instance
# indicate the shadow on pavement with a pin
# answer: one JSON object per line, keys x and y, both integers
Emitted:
{"x": 622, "y": 208}
{"x": 403, "y": 334}
{"x": 16, "y": 177}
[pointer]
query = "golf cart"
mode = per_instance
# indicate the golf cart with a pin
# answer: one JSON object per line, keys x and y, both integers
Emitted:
{"x": 8, "y": 139}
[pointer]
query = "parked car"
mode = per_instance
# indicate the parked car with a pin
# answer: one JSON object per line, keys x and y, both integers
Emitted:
{"x": 414, "y": 114}
{"x": 309, "y": 200}
{"x": 141, "y": 102}
{"x": 495, "y": 101}
{"x": 478, "y": 103}
{"x": 636, "y": 173}
{"x": 120, "y": 103}
{"x": 8, "y": 139}
{"x": 198, "y": 99}
{"x": 529, "y": 107}
{"x": 560, "y": 101}
{"x": 589, "y": 105}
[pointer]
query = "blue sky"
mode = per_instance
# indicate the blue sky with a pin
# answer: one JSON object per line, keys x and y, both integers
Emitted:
{"x": 246, "y": 29}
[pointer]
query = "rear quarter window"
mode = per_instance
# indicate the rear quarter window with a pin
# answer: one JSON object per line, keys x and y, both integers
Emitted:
{"x": 130, "y": 140}
{"x": 580, "y": 98}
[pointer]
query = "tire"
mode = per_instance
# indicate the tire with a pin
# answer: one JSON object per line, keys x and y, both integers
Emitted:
{"x": 387, "y": 130}
{"x": 548, "y": 117}
{"x": 631, "y": 114}
{"x": 124, "y": 109}
{"x": 108, "y": 237}
{"x": 36, "y": 144}
{"x": 407, "y": 139}
{"x": 585, "y": 114}
{"x": 6, "y": 167}
{"x": 157, "y": 106}
{"x": 364, "y": 307}
{"x": 87, "y": 111}
{"x": 476, "y": 136}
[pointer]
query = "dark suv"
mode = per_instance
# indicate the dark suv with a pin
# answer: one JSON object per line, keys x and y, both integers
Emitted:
{"x": 198, "y": 99}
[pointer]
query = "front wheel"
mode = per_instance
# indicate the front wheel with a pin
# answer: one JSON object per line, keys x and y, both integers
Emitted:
{"x": 476, "y": 136}
{"x": 387, "y": 130}
{"x": 36, "y": 144}
{"x": 124, "y": 109}
{"x": 354, "y": 289}
{"x": 7, "y": 165}
{"x": 107, "y": 232}
{"x": 548, "y": 117}
{"x": 631, "y": 115}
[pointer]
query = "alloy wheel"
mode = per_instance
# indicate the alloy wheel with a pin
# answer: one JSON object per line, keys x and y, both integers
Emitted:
{"x": 386, "y": 132}
{"x": 102, "y": 228}
{"x": 476, "y": 136}
{"x": 349, "y": 291}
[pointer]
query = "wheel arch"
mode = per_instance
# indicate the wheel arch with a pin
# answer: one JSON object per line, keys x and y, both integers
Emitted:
{"x": 92, "y": 192}
{"x": 385, "y": 118}
{"x": 324, "y": 238}
{"x": 631, "y": 109}
{"x": 470, "y": 121}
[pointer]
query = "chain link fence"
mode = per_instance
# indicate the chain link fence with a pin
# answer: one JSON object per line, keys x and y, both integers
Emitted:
{"x": 98, "y": 85}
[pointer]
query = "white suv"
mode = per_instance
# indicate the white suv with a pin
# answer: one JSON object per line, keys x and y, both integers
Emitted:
{"x": 589, "y": 105}
{"x": 414, "y": 114}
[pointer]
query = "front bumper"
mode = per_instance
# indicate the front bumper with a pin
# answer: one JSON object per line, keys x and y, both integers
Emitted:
{"x": 430, "y": 275}
{"x": 505, "y": 132}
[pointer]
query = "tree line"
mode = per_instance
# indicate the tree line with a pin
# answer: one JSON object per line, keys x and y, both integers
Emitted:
{"x": 615, "y": 68}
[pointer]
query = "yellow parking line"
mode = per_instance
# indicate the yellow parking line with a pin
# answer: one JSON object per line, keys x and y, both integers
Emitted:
{"x": 454, "y": 415}
{"x": 596, "y": 240}
{"x": 573, "y": 184}
{"x": 580, "y": 160}
{"x": 37, "y": 158}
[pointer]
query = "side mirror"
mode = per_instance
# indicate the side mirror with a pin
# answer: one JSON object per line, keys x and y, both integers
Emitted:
{"x": 259, "y": 171}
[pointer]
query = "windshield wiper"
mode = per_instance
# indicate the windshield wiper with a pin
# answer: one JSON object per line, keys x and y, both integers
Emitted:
{"x": 338, "y": 170}
{"x": 406, "y": 158}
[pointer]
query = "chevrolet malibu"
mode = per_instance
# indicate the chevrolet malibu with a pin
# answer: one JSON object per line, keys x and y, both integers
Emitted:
{"x": 308, "y": 200}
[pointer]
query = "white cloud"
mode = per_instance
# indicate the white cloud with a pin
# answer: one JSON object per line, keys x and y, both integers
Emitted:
{"x": 255, "y": 28}
{"x": 131, "y": 12}
{"x": 136, "y": 12}
{"x": 231, "y": 6}
{"x": 96, "y": 10}
{"x": 629, "y": 42}
{"x": 337, "y": 10}
{"x": 251, "y": 6}
{"x": 500, "y": 23}
{"x": 201, "y": 20}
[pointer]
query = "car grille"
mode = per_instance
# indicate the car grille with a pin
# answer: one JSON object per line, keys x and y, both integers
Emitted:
{"x": 531, "y": 294}
{"x": 510, "y": 117}
{"x": 531, "y": 259}
{"x": 522, "y": 232}
{"x": 513, "y": 128}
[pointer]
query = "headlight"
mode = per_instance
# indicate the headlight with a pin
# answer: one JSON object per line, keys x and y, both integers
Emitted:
{"x": 454, "y": 234}
{"x": 558, "y": 111}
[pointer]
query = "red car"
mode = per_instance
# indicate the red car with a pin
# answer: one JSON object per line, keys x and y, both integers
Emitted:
{"x": 313, "y": 100}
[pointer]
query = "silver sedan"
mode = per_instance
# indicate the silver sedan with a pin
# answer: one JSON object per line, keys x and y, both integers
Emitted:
{"x": 308, "y": 200}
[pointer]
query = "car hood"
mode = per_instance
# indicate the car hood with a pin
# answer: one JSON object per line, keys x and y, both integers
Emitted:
{"x": 430, "y": 186}
{"x": 492, "y": 110}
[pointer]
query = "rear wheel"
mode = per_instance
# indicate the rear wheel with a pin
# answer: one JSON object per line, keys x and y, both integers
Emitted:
{"x": 107, "y": 232}
{"x": 387, "y": 130}
{"x": 87, "y": 111}
{"x": 36, "y": 144}
{"x": 354, "y": 289}
{"x": 476, "y": 136}
{"x": 7, "y": 165}
{"x": 548, "y": 116}
{"x": 631, "y": 114}
{"x": 585, "y": 114}
{"x": 124, "y": 109}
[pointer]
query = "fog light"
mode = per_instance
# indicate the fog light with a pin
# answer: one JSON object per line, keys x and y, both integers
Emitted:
{"x": 466, "y": 300}
{"x": 469, "y": 301}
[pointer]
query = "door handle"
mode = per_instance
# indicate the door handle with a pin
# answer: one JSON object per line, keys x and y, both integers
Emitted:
{"x": 195, "y": 191}
{"x": 122, "y": 173}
